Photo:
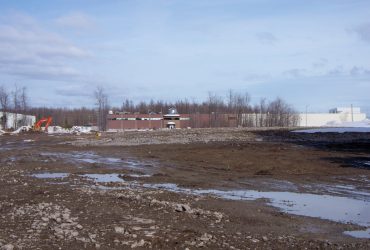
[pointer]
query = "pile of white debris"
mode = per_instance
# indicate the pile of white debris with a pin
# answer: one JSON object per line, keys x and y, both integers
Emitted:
{"x": 73, "y": 130}
{"x": 21, "y": 130}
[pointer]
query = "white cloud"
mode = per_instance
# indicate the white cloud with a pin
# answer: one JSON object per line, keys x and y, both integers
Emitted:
{"x": 295, "y": 73}
{"x": 27, "y": 49}
{"x": 363, "y": 31}
{"x": 76, "y": 20}
{"x": 266, "y": 37}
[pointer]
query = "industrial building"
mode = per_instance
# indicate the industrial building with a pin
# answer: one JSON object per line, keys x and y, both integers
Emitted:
{"x": 335, "y": 116}
{"x": 123, "y": 121}
{"x": 172, "y": 120}
{"x": 120, "y": 121}
{"x": 13, "y": 120}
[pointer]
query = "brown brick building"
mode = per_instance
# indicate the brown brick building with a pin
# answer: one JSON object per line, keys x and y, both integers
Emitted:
{"x": 122, "y": 121}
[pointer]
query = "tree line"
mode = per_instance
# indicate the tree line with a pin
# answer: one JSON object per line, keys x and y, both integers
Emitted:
{"x": 263, "y": 114}
{"x": 15, "y": 101}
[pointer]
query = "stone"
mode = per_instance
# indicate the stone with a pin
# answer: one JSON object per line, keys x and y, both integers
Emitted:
{"x": 182, "y": 208}
{"x": 74, "y": 233}
{"x": 138, "y": 244}
{"x": 119, "y": 230}
{"x": 45, "y": 219}
{"x": 7, "y": 247}
{"x": 206, "y": 237}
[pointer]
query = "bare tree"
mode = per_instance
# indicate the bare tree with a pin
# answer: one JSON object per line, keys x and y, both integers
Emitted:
{"x": 101, "y": 99}
{"x": 4, "y": 105}
{"x": 23, "y": 99}
{"x": 4, "y": 99}
{"x": 16, "y": 100}
{"x": 215, "y": 104}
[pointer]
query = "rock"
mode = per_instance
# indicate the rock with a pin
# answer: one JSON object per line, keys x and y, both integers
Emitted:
{"x": 255, "y": 240}
{"x": 92, "y": 236}
{"x": 66, "y": 216}
{"x": 7, "y": 247}
{"x": 45, "y": 219}
{"x": 264, "y": 238}
{"x": 138, "y": 244}
{"x": 200, "y": 244}
{"x": 182, "y": 208}
{"x": 119, "y": 230}
{"x": 206, "y": 237}
{"x": 74, "y": 233}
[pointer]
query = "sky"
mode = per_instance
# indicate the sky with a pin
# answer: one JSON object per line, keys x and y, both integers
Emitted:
{"x": 314, "y": 54}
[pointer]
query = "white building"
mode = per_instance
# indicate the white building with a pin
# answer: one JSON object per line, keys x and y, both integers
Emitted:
{"x": 14, "y": 121}
{"x": 335, "y": 116}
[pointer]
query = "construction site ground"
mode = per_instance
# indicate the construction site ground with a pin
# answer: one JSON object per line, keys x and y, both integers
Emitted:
{"x": 178, "y": 189}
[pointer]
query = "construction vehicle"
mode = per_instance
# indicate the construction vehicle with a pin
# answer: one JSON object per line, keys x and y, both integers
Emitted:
{"x": 37, "y": 126}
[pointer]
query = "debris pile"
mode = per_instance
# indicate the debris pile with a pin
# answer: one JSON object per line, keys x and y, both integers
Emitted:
{"x": 49, "y": 216}
{"x": 73, "y": 130}
{"x": 21, "y": 130}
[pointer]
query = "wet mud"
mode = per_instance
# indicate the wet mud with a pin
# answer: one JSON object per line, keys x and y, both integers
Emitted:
{"x": 252, "y": 189}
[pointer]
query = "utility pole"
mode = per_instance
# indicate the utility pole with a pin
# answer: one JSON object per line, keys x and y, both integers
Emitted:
{"x": 150, "y": 119}
{"x": 352, "y": 112}
{"x": 122, "y": 121}
{"x": 306, "y": 114}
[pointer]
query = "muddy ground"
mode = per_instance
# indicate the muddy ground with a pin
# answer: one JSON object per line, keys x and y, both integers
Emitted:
{"x": 149, "y": 191}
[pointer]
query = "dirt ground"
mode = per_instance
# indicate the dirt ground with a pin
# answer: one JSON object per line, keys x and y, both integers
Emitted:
{"x": 75, "y": 210}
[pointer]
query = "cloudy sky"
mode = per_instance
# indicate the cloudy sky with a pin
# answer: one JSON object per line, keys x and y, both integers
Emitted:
{"x": 314, "y": 53}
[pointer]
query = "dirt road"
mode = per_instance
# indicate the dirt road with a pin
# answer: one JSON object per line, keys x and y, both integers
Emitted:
{"x": 185, "y": 189}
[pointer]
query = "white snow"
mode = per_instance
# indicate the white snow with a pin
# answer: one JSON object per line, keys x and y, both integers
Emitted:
{"x": 334, "y": 130}
{"x": 81, "y": 129}
{"x": 21, "y": 129}
{"x": 2, "y": 132}
{"x": 73, "y": 130}
{"x": 360, "y": 124}
{"x": 334, "y": 127}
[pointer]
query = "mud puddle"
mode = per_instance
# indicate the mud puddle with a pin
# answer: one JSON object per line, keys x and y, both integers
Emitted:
{"x": 50, "y": 175}
{"x": 348, "y": 205}
{"x": 104, "y": 178}
{"x": 93, "y": 158}
{"x": 329, "y": 207}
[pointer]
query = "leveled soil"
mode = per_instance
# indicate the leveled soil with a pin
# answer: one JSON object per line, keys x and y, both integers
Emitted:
{"x": 76, "y": 213}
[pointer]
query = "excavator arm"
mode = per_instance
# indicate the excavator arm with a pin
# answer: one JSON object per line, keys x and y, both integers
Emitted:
{"x": 47, "y": 121}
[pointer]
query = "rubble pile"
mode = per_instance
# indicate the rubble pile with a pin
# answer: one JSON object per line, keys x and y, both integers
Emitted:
{"x": 52, "y": 220}
{"x": 183, "y": 136}
{"x": 73, "y": 130}
{"x": 22, "y": 130}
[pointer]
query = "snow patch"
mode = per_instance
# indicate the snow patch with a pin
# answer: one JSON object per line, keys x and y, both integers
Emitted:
{"x": 335, "y": 130}
{"x": 361, "y": 124}
{"x": 73, "y": 130}
{"x": 21, "y": 130}
{"x": 341, "y": 127}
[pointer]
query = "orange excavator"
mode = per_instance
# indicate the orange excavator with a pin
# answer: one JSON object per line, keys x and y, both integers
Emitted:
{"x": 37, "y": 126}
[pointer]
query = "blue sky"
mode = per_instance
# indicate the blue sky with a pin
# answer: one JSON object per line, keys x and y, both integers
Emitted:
{"x": 312, "y": 53}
